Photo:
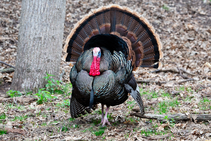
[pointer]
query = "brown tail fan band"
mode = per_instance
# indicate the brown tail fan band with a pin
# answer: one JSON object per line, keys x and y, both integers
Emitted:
{"x": 124, "y": 23}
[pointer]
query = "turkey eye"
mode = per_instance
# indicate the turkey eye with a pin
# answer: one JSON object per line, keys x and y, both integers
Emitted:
{"x": 99, "y": 54}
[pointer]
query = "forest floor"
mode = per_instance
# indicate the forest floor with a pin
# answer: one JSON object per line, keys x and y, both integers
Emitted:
{"x": 182, "y": 86}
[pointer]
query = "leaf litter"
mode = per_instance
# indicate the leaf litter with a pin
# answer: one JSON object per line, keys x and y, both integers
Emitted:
{"x": 182, "y": 85}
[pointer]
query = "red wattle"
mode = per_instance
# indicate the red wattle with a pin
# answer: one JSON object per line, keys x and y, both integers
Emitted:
{"x": 95, "y": 67}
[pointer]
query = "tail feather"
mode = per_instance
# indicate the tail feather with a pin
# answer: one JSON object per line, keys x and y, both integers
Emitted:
{"x": 77, "y": 109}
{"x": 143, "y": 43}
{"x": 136, "y": 96}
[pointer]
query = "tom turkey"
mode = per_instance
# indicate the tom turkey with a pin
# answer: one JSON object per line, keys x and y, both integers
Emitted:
{"x": 107, "y": 45}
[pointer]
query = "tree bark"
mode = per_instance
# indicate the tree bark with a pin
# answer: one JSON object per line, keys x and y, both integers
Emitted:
{"x": 40, "y": 43}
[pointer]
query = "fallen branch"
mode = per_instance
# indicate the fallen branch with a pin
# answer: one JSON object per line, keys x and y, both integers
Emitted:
{"x": 206, "y": 77}
{"x": 7, "y": 64}
{"x": 182, "y": 75}
{"x": 165, "y": 70}
{"x": 181, "y": 70}
{"x": 22, "y": 100}
{"x": 176, "y": 117}
{"x": 189, "y": 73}
{"x": 12, "y": 130}
{"x": 150, "y": 81}
{"x": 164, "y": 82}
{"x": 183, "y": 81}
{"x": 158, "y": 137}
{"x": 8, "y": 70}
{"x": 178, "y": 70}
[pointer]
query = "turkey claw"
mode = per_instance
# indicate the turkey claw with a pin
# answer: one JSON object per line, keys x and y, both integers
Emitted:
{"x": 104, "y": 121}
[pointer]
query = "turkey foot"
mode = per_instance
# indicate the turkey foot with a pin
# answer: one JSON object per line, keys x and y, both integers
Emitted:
{"x": 104, "y": 119}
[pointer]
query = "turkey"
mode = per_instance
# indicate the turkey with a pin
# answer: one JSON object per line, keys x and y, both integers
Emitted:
{"x": 106, "y": 46}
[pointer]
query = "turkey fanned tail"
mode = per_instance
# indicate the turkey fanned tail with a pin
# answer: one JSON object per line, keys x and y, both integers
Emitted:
{"x": 116, "y": 28}
{"x": 136, "y": 96}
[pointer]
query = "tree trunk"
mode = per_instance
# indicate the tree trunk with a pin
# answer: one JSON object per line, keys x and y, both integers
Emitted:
{"x": 40, "y": 43}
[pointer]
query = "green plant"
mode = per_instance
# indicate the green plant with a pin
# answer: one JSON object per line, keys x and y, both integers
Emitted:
{"x": 65, "y": 103}
{"x": 13, "y": 93}
{"x": 131, "y": 104}
{"x": 143, "y": 91}
{"x": 165, "y": 7}
{"x": 165, "y": 105}
{"x": 88, "y": 129}
{"x": 98, "y": 111}
{"x": 44, "y": 124}
{"x": 14, "y": 106}
{"x": 189, "y": 89}
{"x": 44, "y": 96}
{"x": 154, "y": 95}
{"x": 173, "y": 103}
{"x": 109, "y": 116}
{"x": 21, "y": 118}
{"x": 162, "y": 107}
{"x": 71, "y": 119}
{"x": 188, "y": 98}
{"x": 55, "y": 86}
{"x": 171, "y": 121}
{"x": 99, "y": 132}
{"x": 2, "y": 117}
{"x": 3, "y": 132}
{"x": 51, "y": 83}
{"x": 165, "y": 94}
{"x": 54, "y": 122}
{"x": 38, "y": 114}
{"x": 149, "y": 132}
{"x": 150, "y": 95}
{"x": 66, "y": 89}
{"x": 205, "y": 104}
{"x": 95, "y": 121}
{"x": 65, "y": 129}
{"x": 131, "y": 119}
{"x": 181, "y": 88}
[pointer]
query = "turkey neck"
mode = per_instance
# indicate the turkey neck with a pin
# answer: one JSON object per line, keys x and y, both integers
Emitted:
{"x": 95, "y": 66}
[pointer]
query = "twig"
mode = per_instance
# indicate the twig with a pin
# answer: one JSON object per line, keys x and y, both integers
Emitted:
{"x": 158, "y": 137}
{"x": 150, "y": 81}
{"x": 174, "y": 71}
{"x": 165, "y": 70}
{"x": 8, "y": 70}
{"x": 7, "y": 64}
{"x": 22, "y": 100}
{"x": 131, "y": 132}
{"x": 176, "y": 117}
{"x": 189, "y": 73}
{"x": 60, "y": 77}
{"x": 17, "y": 131}
{"x": 183, "y": 81}
{"x": 206, "y": 77}
{"x": 181, "y": 70}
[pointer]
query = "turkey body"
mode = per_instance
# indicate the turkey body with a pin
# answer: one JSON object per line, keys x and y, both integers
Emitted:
{"x": 107, "y": 45}
{"x": 108, "y": 87}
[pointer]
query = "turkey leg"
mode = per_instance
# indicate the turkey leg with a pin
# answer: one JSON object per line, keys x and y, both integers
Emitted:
{"x": 104, "y": 119}
{"x": 102, "y": 114}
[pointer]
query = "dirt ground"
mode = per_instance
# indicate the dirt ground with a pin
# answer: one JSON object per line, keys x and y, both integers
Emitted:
{"x": 183, "y": 85}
